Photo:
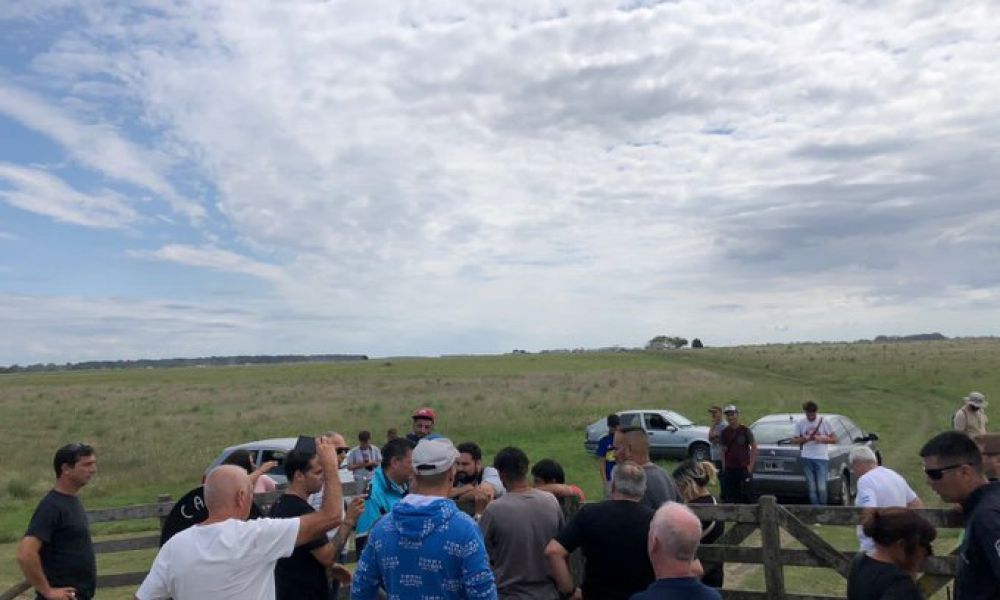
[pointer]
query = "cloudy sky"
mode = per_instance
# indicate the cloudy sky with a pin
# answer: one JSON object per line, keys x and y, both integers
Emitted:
{"x": 183, "y": 178}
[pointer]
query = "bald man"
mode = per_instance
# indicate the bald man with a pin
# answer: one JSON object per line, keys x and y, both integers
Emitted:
{"x": 227, "y": 557}
{"x": 674, "y": 534}
{"x": 633, "y": 444}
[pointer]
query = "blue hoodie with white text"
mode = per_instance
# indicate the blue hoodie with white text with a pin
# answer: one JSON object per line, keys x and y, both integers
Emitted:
{"x": 425, "y": 549}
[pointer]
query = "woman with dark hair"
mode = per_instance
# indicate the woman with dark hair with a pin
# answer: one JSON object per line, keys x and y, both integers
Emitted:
{"x": 261, "y": 482}
{"x": 692, "y": 478}
{"x": 902, "y": 544}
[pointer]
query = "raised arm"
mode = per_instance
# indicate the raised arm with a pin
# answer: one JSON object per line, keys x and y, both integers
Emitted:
{"x": 328, "y": 516}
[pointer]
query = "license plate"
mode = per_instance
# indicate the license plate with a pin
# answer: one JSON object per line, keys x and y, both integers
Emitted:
{"x": 771, "y": 465}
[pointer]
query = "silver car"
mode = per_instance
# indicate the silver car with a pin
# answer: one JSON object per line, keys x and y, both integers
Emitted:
{"x": 671, "y": 434}
{"x": 778, "y": 470}
{"x": 274, "y": 449}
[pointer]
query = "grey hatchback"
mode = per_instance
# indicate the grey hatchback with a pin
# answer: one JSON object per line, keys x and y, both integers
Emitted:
{"x": 778, "y": 470}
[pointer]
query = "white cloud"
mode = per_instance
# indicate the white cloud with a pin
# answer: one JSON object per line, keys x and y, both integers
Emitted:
{"x": 96, "y": 145}
{"x": 566, "y": 173}
{"x": 40, "y": 192}
{"x": 7, "y": 236}
{"x": 213, "y": 258}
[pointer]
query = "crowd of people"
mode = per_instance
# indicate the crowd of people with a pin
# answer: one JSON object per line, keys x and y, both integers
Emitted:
{"x": 513, "y": 540}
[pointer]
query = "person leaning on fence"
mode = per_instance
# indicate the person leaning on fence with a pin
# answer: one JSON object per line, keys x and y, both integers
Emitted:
{"x": 426, "y": 547}
{"x": 878, "y": 487}
{"x": 516, "y": 528}
{"x": 739, "y": 454}
{"x": 901, "y": 544}
{"x": 632, "y": 444}
{"x": 954, "y": 469}
{"x": 56, "y": 554}
{"x": 674, "y": 535}
{"x": 227, "y": 557}
{"x": 548, "y": 476}
{"x": 692, "y": 478}
{"x": 473, "y": 480}
{"x": 612, "y": 536}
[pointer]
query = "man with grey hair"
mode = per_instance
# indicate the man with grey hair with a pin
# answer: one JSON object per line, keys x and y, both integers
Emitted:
{"x": 878, "y": 487}
{"x": 612, "y": 536}
{"x": 674, "y": 534}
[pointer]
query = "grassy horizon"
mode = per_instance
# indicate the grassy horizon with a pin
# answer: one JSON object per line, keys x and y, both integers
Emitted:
{"x": 156, "y": 430}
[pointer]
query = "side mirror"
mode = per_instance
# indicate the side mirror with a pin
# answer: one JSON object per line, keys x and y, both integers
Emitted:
{"x": 873, "y": 437}
{"x": 671, "y": 429}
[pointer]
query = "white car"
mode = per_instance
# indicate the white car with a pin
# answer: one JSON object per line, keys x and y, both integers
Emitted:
{"x": 274, "y": 449}
{"x": 671, "y": 434}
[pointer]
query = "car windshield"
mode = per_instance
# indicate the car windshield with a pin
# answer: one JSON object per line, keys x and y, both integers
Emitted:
{"x": 678, "y": 420}
{"x": 773, "y": 432}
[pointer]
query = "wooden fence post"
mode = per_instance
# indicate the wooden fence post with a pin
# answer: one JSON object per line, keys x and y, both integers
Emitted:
{"x": 770, "y": 536}
{"x": 160, "y": 499}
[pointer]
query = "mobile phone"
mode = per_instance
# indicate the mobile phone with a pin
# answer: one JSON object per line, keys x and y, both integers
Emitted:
{"x": 368, "y": 490}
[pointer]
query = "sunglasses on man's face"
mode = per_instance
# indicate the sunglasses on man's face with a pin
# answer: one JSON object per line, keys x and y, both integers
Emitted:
{"x": 937, "y": 474}
{"x": 343, "y": 450}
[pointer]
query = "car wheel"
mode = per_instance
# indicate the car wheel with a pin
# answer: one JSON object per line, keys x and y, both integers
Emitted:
{"x": 700, "y": 452}
{"x": 844, "y": 497}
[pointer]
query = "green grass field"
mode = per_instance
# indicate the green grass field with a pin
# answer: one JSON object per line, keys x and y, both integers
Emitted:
{"x": 156, "y": 430}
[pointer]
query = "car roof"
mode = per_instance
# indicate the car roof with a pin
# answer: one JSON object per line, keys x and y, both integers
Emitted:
{"x": 286, "y": 444}
{"x": 791, "y": 417}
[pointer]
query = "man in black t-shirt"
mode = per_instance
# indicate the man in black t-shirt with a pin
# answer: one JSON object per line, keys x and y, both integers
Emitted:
{"x": 612, "y": 536}
{"x": 739, "y": 454}
{"x": 954, "y": 468}
{"x": 303, "y": 575}
{"x": 56, "y": 554}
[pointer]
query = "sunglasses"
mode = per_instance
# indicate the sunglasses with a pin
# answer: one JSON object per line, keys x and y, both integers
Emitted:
{"x": 343, "y": 450}
{"x": 937, "y": 474}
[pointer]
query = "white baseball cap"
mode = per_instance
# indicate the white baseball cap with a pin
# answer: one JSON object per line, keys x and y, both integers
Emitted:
{"x": 431, "y": 457}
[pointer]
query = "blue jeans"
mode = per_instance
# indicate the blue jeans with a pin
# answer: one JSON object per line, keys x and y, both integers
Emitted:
{"x": 816, "y": 470}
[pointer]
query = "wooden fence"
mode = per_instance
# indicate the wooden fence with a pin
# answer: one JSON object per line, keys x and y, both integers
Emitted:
{"x": 743, "y": 520}
{"x": 770, "y": 518}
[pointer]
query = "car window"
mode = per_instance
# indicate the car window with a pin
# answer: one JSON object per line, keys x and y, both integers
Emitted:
{"x": 853, "y": 430}
{"x": 630, "y": 420}
{"x": 678, "y": 420}
{"x": 843, "y": 436}
{"x": 771, "y": 432}
{"x": 655, "y": 422}
{"x": 276, "y": 455}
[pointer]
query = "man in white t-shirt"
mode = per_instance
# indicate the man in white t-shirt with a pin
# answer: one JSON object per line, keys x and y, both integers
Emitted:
{"x": 812, "y": 434}
{"x": 878, "y": 487}
{"x": 227, "y": 557}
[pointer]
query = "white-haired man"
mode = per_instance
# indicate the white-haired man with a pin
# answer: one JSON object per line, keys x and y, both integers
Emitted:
{"x": 673, "y": 540}
{"x": 878, "y": 487}
{"x": 612, "y": 536}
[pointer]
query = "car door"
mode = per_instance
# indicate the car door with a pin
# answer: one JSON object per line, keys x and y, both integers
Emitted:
{"x": 663, "y": 438}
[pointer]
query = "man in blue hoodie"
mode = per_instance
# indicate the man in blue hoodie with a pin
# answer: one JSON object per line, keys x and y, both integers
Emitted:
{"x": 426, "y": 546}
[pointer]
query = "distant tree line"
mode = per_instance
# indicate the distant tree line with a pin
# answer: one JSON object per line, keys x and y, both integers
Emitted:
{"x": 917, "y": 337}
{"x": 207, "y": 361}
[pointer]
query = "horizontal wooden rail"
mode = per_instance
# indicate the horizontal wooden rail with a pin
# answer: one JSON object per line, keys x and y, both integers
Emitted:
{"x": 824, "y": 515}
{"x": 936, "y": 565}
{"x": 743, "y": 518}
